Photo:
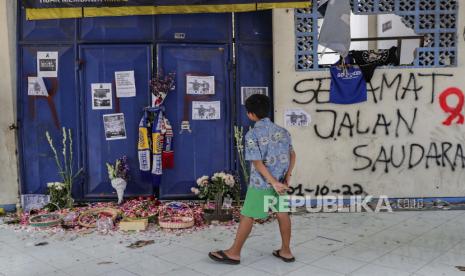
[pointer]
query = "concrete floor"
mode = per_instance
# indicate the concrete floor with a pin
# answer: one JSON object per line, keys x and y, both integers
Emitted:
{"x": 400, "y": 243}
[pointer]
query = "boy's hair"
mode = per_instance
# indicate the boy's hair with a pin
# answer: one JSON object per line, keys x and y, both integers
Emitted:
{"x": 259, "y": 105}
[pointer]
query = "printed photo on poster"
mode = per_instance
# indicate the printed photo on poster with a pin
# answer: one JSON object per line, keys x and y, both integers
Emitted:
{"x": 206, "y": 110}
{"x": 249, "y": 91}
{"x": 296, "y": 118}
{"x": 200, "y": 85}
{"x": 101, "y": 96}
{"x": 115, "y": 128}
{"x": 36, "y": 87}
{"x": 47, "y": 64}
{"x": 125, "y": 84}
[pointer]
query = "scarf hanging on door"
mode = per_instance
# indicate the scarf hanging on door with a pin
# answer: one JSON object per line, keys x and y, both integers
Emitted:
{"x": 155, "y": 152}
{"x": 157, "y": 144}
{"x": 144, "y": 144}
{"x": 168, "y": 153}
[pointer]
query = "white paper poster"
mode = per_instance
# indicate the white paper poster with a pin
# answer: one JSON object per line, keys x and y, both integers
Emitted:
{"x": 200, "y": 85}
{"x": 249, "y": 91}
{"x": 47, "y": 64}
{"x": 101, "y": 96}
{"x": 36, "y": 87}
{"x": 206, "y": 110}
{"x": 296, "y": 117}
{"x": 125, "y": 84}
{"x": 115, "y": 128}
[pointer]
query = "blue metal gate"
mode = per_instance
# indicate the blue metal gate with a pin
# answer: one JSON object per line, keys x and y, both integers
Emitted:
{"x": 206, "y": 147}
{"x": 92, "y": 49}
{"x": 99, "y": 63}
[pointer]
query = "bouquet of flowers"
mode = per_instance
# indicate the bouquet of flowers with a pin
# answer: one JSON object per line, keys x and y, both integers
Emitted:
{"x": 58, "y": 195}
{"x": 119, "y": 176}
{"x": 119, "y": 170}
{"x": 161, "y": 85}
{"x": 215, "y": 187}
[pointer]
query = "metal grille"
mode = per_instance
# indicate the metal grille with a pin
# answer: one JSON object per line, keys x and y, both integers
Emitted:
{"x": 435, "y": 19}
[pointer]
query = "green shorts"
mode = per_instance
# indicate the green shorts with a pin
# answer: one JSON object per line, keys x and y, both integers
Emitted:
{"x": 256, "y": 199}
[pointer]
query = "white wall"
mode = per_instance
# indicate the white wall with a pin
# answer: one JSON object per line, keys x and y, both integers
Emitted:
{"x": 8, "y": 161}
{"x": 331, "y": 162}
{"x": 398, "y": 29}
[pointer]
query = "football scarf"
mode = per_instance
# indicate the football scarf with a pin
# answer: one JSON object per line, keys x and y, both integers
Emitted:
{"x": 155, "y": 151}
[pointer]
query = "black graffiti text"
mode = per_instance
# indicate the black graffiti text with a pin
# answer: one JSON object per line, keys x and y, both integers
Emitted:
{"x": 409, "y": 156}
{"x": 349, "y": 123}
{"x": 404, "y": 87}
{"x": 324, "y": 190}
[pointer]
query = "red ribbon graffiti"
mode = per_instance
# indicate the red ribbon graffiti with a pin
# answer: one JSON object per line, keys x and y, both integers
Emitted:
{"x": 454, "y": 111}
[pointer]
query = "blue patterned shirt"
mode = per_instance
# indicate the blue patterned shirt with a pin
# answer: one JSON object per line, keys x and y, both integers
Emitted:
{"x": 272, "y": 144}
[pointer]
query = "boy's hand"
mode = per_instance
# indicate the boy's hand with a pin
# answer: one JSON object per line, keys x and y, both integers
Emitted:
{"x": 287, "y": 179}
{"x": 279, "y": 187}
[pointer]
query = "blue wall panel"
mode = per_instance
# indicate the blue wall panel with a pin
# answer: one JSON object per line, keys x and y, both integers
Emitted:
{"x": 35, "y": 113}
{"x": 254, "y": 26}
{"x": 47, "y": 30}
{"x": 100, "y": 64}
{"x": 255, "y": 69}
{"x": 207, "y": 149}
{"x": 127, "y": 28}
{"x": 194, "y": 27}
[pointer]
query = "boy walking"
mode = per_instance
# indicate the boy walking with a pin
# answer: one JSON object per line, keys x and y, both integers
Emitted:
{"x": 269, "y": 148}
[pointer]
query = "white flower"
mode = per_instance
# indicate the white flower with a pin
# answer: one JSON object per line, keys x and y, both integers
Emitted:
{"x": 56, "y": 185}
{"x": 229, "y": 180}
{"x": 219, "y": 175}
{"x": 202, "y": 181}
{"x": 195, "y": 190}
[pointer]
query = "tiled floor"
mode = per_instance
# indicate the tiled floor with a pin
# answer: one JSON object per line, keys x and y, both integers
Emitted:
{"x": 400, "y": 243}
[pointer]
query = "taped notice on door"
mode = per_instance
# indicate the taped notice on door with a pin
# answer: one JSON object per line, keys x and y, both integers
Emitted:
{"x": 125, "y": 84}
{"x": 36, "y": 87}
{"x": 115, "y": 126}
{"x": 206, "y": 110}
{"x": 247, "y": 91}
{"x": 101, "y": 96}
{"x": 200, "y": 85}
{"x": 47, "y": 64}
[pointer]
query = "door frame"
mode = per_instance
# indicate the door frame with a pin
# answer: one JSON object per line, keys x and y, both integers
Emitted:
{"x": 230, "y": 106}
{"x": 83, "y": 189}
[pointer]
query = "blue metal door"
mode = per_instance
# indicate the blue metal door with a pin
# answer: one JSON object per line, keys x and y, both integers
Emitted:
{"x": 254, "y": 58}
{"x": 100, "y": 62}
{"x": 207, "y": 148}
{"x": 38, "y": 114}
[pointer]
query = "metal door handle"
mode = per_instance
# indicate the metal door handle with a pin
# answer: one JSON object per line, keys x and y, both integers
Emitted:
{"x": 13, "y": 126}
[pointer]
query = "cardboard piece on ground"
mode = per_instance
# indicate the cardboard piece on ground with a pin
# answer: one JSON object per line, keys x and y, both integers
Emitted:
{"x": 133, "y": 225}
